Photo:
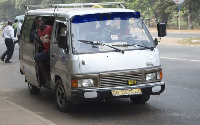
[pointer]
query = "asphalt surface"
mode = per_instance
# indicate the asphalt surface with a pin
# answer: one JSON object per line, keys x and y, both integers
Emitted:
{"x": 178, "y": 34}
{"x": 179, "y": 105}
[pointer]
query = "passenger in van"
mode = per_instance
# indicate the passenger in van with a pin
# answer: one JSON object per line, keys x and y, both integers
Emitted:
{"x": 44, "y": 34}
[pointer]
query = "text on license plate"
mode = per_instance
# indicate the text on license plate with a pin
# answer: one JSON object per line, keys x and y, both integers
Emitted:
{"x": 126, "y": 92}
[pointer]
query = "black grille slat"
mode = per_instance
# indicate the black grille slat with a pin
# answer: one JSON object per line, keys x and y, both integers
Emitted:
{"x": 116, "y": 80}
{"x": 124, "y": 80}
{"x": 123, "y": 76}
{"x": 118, "y": 83}
{"x": 119, "y": 80}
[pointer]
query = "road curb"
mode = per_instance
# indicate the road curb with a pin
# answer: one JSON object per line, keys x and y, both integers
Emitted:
{"x": 19, "y": 108}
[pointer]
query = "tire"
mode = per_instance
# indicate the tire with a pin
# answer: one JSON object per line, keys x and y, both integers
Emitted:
{"x": 33, "y": 89}
{"x": 63, "y": 104}
{"x": 140, "y": 99}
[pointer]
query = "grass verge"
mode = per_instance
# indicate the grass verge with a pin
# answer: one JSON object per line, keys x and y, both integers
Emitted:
{"x": 188, "y": 41}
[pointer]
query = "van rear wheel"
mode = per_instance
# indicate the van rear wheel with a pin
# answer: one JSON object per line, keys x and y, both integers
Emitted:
{"x": 140, "y": 99}
{"x": 63, "y": 104}
{"x": 33, "y": 89}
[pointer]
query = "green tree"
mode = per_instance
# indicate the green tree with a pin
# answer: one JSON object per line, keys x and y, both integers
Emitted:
{"x": 163, "y": 9}
{"x": 143, "y": 6}
{"x": 192, "y": 8}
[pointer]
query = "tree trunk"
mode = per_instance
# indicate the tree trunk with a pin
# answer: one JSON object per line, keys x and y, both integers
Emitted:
{"x": 190, "y": 26}
{"x": 164, "y": 18}
{"x": 198, "y": 19}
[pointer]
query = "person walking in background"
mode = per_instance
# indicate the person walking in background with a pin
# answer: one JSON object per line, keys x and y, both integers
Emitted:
{"x": 8, "y": 34}
{"x": 15, "y": 24}
{"x": 18, "y": 31}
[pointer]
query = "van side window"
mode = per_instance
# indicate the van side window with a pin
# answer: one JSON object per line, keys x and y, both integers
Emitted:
{"x": 33, "y": 34}
{"x": 27, "y": 33}
{"x": 61, "y": 28}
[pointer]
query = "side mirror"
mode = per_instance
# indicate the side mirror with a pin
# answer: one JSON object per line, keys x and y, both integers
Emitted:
{"x": 161, "y": 27}
{"x": 62, "y": 41}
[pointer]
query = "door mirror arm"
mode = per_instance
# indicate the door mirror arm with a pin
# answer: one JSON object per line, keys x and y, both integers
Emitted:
{"x": 155, "y": 41}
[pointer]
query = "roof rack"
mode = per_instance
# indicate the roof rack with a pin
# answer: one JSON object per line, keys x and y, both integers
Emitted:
{"x": 87, "y": 4}
{"x": 35, "y": 6}
{"x": 74, "y": 5}
{"x": 56, "y": 6}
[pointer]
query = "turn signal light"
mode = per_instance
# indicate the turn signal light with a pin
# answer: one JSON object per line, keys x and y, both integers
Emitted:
{"x": 74, "y": 83}
{"x": 161, "y": 75}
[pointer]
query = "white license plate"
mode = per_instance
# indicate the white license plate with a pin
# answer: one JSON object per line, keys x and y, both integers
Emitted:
{"x": 126, "y": 92}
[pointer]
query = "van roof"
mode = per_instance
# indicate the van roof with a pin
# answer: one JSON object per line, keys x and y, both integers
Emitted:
{"x": 70, "y": 12}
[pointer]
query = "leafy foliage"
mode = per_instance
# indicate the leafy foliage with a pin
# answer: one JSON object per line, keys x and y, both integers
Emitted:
{"x": 163, "y": 10}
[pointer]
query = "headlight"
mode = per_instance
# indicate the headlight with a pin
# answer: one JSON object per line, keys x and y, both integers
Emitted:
{"x": 150, "y": 77}
{"x": 82, "y": 83}
{"x": 85, "y": 83}
{"x": 153, "y": 76}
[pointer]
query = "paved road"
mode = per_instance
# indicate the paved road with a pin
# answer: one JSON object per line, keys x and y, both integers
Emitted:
{"x": 178, "y": 35}
{"x": 179, "y": 104}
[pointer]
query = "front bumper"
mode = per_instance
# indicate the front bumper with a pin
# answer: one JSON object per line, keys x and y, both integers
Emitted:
{"x": 105, "y": 93}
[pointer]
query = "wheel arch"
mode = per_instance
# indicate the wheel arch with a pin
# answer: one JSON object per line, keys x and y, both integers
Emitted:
{"x": 57, "y": 77}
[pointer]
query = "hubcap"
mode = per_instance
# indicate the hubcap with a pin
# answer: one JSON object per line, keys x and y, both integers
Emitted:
{"x": 60, "y": 96}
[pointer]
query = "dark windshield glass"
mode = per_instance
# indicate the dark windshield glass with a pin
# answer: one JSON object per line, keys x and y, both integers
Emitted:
{"x": 123, "y": 31}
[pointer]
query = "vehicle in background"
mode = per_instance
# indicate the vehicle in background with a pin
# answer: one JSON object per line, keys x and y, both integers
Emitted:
{"x": 20, "y": 17}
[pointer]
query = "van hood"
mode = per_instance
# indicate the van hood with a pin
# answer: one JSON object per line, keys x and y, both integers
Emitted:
{"x": 116, "y": 61}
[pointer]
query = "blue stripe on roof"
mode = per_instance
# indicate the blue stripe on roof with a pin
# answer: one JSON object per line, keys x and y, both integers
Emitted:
{"x": 105, "y": 16}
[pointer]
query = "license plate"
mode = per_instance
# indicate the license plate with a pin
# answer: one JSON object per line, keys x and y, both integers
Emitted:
{"x": 126, "y": 92}
{"x": 132, "y": 82}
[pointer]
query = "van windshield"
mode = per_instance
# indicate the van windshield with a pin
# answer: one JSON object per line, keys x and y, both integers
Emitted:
{"x": 109, "y": 32}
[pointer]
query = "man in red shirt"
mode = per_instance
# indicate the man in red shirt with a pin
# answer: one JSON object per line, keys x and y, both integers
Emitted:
{"x": 44, "y": 33}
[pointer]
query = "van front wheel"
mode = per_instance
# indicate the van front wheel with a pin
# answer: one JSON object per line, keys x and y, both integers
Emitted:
{"x": 63, "y": 104}
{"x": 140, "y": 99}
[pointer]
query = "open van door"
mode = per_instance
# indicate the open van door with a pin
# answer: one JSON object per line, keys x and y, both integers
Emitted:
{"x": 27, "y": 51}
{"x": 60, "y": 56}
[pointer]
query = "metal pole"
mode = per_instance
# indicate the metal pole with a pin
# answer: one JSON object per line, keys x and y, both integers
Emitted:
{"x": 179, "y": 17}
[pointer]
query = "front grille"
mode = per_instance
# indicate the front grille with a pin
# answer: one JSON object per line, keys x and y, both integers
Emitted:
{"x": 119, "y": 80}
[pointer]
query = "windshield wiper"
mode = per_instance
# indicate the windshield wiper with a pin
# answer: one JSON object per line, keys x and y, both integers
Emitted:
{"x": 117, "y": 49}
{"x": 97, "y": 43}
{"x": 93, "y": 43}
{"x": 124, "y": 45}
